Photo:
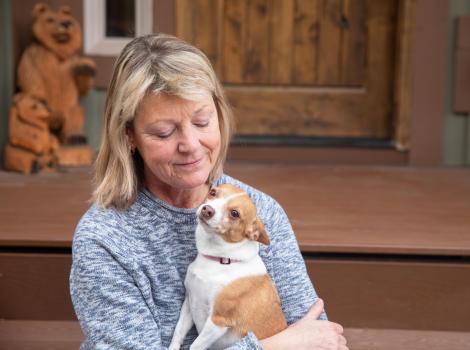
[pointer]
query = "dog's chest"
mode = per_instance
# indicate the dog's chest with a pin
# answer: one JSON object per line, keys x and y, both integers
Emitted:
{"x": 206, "y": 278}
{"x": 202, "y": 288}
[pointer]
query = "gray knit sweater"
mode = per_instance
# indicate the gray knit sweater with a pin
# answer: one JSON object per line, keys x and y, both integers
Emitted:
{"x": 128, "y": 271}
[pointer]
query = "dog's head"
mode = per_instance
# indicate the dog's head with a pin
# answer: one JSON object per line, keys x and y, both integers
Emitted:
{"x": 230, "y": 213}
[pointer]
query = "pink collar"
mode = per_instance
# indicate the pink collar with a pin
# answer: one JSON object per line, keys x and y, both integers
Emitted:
{"x": 223, "y": 261}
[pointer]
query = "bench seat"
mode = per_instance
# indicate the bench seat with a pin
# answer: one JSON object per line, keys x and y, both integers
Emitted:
{"x": 64, "y": 335}
{"x": 387, "y": 247}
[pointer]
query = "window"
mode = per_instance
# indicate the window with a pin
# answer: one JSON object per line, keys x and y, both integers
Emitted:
{"x": 110, "y": 24}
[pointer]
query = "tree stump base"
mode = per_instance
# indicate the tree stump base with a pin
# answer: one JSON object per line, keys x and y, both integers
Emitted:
{"x": 75, "y": 155}
{"x": 25, "y": 161}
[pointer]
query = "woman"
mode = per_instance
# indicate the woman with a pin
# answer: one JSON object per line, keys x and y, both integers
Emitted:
{"x": 166, "y": 133}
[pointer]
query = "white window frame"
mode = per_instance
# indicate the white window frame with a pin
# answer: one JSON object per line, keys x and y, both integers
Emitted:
{"x": 95, "y": 41}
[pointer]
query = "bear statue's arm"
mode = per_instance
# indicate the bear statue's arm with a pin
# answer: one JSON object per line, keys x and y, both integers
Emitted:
{"x": 84, "y": 70}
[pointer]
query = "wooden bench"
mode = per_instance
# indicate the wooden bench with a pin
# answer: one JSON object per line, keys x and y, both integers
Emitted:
{"x": 64, "y": 335}
{"x": 387, "y": 247}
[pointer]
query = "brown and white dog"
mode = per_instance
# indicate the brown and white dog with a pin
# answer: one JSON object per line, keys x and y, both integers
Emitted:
{"x": 228, "y": 289}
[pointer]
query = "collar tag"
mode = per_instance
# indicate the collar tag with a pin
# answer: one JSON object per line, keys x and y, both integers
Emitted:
{"x": 225, "y": 261}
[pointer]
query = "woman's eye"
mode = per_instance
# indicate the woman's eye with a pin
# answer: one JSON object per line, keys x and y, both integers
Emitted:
{"x": 163, "y": 134}
{"x": 202, "y": 124}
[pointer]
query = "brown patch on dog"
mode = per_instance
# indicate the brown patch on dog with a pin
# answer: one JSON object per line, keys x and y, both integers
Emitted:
{"x": 250, "y": 304}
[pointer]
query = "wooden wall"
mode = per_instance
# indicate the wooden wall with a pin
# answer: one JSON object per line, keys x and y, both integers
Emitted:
{"x": 456, "y": 131}
{"x": 316, "y": 68}
{"x": 6, "y": 71}
{"x": 456, "y": 128}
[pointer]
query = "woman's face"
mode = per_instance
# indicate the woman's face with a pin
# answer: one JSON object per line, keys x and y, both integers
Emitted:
{"x": 179, "y": 140}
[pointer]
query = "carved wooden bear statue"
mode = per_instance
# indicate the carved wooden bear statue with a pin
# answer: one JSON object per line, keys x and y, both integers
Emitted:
{"x": 51, "y": 70}
{"x": 31, "y": 146}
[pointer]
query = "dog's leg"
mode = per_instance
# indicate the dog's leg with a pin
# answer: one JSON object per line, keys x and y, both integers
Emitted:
{"x": 185, "y": 322}
{"x": 209, "y": 334}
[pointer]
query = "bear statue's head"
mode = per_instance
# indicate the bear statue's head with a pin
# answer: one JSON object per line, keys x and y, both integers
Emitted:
{"x": 58, "y": 30}
{"x": 31, "y": 108}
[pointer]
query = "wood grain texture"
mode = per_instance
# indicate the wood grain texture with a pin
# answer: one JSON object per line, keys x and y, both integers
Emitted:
{"x": 40, "y": 335}
{"x": 353, "y": 43}
{"x": 392, "y": 339}
{"x": 403, "y": 74}
{"x": 35, "y": 286}
{"x": 206, "y": 31}
{"x": 282, "y": 54}
{"x": 330, "y": 43}
{"x": 281, "y": 44}
{"x": 306, "y": 41}
{"x": 336, "y": 209}
{"x": 383, "y": 210}
{"x": 394, "y": 294}
{"x": 42, "y": 210}
{"x": 461, "y": 89}
{"x": 65, "y": 335}
{"x": 429, "y": 81}
{"x": 233, "y": 43}
{"x": 275, "y": 154}
{"x": 184, "y": 20}
{"x": 256, "y": 65}
{"x": 303, "y": 112}
{"x": 380, "y": 62}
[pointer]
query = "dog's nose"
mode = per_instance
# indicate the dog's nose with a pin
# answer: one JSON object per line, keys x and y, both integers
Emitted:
{"x": 207, "y": 212}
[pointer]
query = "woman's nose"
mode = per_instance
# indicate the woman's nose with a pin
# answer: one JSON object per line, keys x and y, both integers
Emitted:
{"x": 189, "y": 141}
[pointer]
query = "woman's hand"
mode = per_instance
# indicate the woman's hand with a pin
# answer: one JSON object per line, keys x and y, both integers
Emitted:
{"x": 309, "y": 333}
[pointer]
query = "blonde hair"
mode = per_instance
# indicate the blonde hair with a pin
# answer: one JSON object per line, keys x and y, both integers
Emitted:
{"x": 156, "y": 64}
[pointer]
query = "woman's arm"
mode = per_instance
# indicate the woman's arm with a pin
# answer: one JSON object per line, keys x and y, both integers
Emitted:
{"x": 308, "y": 333}
{"x": 287, "y": 267}
{"x": 309, "y": 328}
{"x": 108, "y": 304}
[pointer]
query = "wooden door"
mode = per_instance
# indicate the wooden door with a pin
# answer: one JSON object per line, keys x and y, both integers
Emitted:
{"x": 301, "y": 68}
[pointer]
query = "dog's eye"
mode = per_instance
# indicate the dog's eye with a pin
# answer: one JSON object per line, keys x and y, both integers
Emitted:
{"x": 50, "y": 20}
{"x": 212, "y": 192}
{"x": 234, "y": 214}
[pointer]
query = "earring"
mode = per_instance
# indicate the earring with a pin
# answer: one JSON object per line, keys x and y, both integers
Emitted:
{"x": 132, "y": 150}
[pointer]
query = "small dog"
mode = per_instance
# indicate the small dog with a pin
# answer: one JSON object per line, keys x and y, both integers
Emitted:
{"x": 228, "y": 289}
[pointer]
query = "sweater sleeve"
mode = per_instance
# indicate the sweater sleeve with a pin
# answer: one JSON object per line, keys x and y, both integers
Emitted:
{"x": 289, "y": 273}
{"x": 249, "y": 342}
{"x": 108, "y": 303}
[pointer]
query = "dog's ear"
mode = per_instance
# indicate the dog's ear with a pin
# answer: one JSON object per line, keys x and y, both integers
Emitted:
{"x": 257, "y": 232}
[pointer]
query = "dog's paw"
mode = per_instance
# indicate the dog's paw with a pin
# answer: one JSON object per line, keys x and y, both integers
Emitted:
{"x": 174, "y": 346}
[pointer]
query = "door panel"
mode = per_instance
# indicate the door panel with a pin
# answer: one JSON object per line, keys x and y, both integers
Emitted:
{"x": 300, "y": 67}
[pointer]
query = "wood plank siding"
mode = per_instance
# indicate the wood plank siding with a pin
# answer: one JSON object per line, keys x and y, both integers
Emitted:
{"x": 314, "y": 67}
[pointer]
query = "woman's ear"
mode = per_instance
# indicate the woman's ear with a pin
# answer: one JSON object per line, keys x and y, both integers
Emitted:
{"x": 257, "y": 232}
{"x": 130, "y": 136}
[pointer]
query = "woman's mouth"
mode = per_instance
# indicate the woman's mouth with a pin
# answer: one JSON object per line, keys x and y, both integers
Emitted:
{"x": 191, "y": 164}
